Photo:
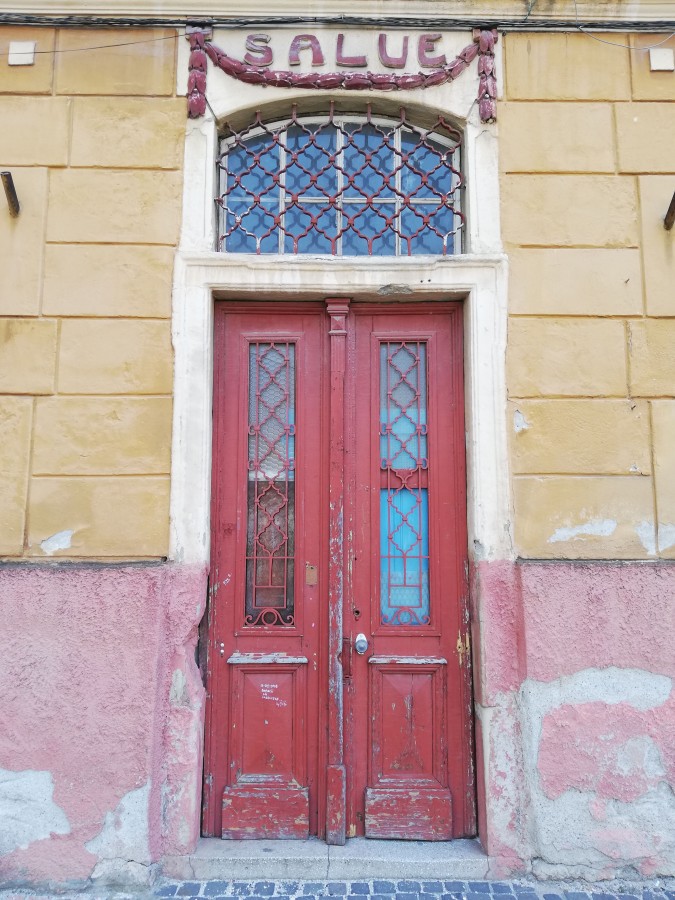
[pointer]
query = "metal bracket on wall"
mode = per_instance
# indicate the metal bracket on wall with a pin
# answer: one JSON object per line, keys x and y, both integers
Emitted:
{"x": 669, "y": 219}
{"x": 10, "y": 193}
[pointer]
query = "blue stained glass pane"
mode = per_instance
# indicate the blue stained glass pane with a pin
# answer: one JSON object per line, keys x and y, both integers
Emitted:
{"x": 310, "y": 162}
{"x": 428, "y": 174}
{"x": 370, "y": 190}
{"x": 320, "y": 236}
{"x": 403, "y": 405}
{"x": 244, "y": 224}
{"x": 369, "y": 162}
{"x": 428, "y": 238}
{"x": 362, "y": 223}
{"x": 252, "y": 168}
{"x": 404, "y": 557}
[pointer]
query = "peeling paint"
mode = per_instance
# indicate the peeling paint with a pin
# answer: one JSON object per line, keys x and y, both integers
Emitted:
{"x": 125, "y": 830}
{"x": 596, "y": 527}
{"x": 595, "y": 759}
{"x": 666, "y": 536}
{"x": 643, "y": 690}
{"x": 393, "y": 289}
{"x": 27, "y": 809}
{"x": 178, "y": 694}
{"x": 646, "y": 532}
{"x": 89, "y": 657}
{"x": 520, "y": 423}
{"x": 59, "y": 541}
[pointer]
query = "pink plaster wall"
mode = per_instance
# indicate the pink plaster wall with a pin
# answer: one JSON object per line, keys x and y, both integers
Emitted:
{"x": 573, "y": 677}
{"x": 604, "y": 752}
{"x": 88, "y": 654}
{"x": 620, "y": 614}
{"x": 574, "y": 663}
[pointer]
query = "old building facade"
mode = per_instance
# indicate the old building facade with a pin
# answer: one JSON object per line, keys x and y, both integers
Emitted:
{"x": 337, "y": 416}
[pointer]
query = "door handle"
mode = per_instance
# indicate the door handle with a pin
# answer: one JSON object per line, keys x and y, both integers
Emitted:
{"x": 361, "y": 644}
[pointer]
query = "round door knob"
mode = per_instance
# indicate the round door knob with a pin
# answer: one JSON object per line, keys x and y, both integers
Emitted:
{"x": 361, "y": 643}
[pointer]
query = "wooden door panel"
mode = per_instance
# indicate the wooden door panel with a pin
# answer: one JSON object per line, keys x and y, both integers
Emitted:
{"x": 408, "y": 697}
{"x": 407, "y": 721}
{"x": 409, "y": 814}
{"x": 338, "y": 497}
{"x": 408, "y": 797}
{"x": 266, "y": 621}
{"x": 268, "y": 797}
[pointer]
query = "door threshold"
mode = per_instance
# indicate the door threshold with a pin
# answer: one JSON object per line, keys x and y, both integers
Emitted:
{"x": 314, "y": 860}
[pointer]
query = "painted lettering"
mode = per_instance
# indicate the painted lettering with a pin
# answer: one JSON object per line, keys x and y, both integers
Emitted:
{"x": 351, "y": 62}
{"x": 392, "y": 62}
{"x": 257, "y": 44}
{"x": 305, "y": 42}
{"x": 426, "y": 46}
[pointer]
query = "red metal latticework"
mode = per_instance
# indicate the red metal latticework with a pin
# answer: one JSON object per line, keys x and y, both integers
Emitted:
{"x": 344, "y": 186}
{"x": 404, "y": 513}
{"x": 271, "y": 495}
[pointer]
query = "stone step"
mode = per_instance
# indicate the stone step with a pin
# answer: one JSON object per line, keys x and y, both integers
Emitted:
{"x": 314, "y": 860}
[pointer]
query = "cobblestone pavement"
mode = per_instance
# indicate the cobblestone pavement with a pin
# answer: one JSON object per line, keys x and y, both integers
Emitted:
{"x": 373, "y": 889}
{"x": 423, "y": 889}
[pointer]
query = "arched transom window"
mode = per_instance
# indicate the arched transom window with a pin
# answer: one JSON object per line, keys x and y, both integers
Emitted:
{"x": 341, "y": 185}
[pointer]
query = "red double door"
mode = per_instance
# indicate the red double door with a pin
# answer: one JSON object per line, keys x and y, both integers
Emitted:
{"x": 338, "y": 668}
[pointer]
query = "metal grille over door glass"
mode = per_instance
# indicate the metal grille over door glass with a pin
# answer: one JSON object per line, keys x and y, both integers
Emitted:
{"x": 404, "y": 507}
{"x": 270, "y": 539}
{"x": 344, "y": 186}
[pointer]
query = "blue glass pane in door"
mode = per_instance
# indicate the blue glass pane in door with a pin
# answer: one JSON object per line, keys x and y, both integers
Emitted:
{"x": 403, "y": 405}
{"x": 404, "y": 557}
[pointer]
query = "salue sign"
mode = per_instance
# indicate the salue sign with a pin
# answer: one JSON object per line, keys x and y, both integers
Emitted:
{"x": 354, "y": 70}
{"x": 396, "y": 52}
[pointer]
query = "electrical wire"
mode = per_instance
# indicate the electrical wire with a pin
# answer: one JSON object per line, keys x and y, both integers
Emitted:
{"x": 421, "y": 22}
{"x": 171, "y": 37}
{"x": 583, "y": 30}
{"x": 550, "y": 25}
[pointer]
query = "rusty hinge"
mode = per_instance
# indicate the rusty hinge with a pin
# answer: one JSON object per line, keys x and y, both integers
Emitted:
{"x": 463, "y": 647}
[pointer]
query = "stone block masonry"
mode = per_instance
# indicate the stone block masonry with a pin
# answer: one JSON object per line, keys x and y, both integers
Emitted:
{"x": 94, "y": 140}
{"x": 587, "y": 175}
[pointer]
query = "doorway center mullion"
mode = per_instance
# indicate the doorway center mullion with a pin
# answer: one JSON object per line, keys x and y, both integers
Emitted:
{"x": 336, "y": 786}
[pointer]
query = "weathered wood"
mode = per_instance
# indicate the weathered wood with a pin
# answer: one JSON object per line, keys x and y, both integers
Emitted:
{"x": 249, "y": 659}
{"x": 397, "y": 762}
{"x": 256, "y": 813}
{"x": 263, "y": 737}
{"x": 409, "y": 815}
{"x": 336, "y": 799}
{"x": 335, "y": 788}
{"x": 408, "y": 660}
{"x": 410, "y": 757}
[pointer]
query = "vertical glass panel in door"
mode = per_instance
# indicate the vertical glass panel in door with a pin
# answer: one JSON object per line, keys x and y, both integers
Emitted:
{"x": 270, "y": 538}
{"x": 404, "y": 507}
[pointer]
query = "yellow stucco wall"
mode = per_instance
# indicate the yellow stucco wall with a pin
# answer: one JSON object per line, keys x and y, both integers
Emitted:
{"x": 94, "y": 141}
{"x": 587, "y": 133}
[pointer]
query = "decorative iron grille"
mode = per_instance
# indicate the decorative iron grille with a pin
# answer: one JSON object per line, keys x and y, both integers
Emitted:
{"x": 270, "y": 540}
{"x": 341, "y": 185}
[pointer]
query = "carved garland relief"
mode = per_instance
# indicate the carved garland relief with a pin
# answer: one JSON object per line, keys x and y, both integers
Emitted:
{"x": 254, "y": 68}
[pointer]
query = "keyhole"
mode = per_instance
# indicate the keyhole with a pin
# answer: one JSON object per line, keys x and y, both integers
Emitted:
{"x": 357, "y": 613}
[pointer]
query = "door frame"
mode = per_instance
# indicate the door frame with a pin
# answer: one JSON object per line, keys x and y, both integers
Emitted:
{"x": 481, "y": 284}
{"x": 479, "y": 277}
